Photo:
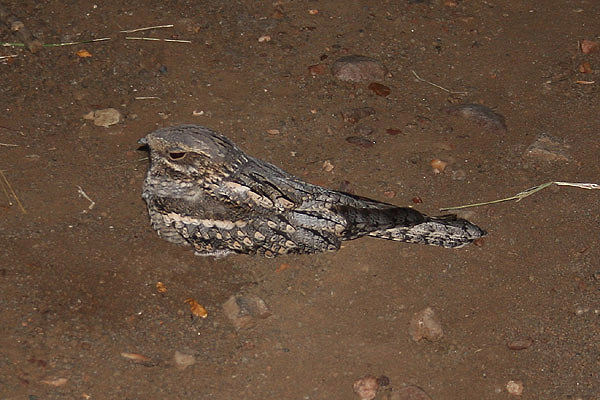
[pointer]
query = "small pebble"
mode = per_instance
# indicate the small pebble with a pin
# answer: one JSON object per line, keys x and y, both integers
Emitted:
{"x": 585, "y": 68}
{"x": 379, "y": 89}
{"x": 589, "y": 46}
{"x": 244, "y": 310}
{"x": 353, "y": 115}
{"x": 425, "y": 325}
{"x": 520, "y": 344}
{"x": 105, "y": 117}
{"x": 438, "y": 165}
{"x": 546, "y": 148}
{"x": 393, "y": 132}
{"x": 318, "y": 69}
{"x": 196, "y": 308}
{"x": 182, "y": 360}
{"x": 328, "y": 166}
{"x": 357, "y": 68}
{"x": 514, "y": 388}
{"x": 366, "y": 387}
{"x": 360, "y": 141}
{"x": 480, "y": 114}
{"x": 161, "y": 287}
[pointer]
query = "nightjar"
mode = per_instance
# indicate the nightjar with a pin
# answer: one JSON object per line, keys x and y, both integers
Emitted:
{"x": 202, "y": 190}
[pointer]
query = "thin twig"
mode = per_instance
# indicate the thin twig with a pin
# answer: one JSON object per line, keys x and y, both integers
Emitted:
{"x": 591, "y": 186}
{"x": 146, "y": 98}
{"x": 9, "y": 56}
{"x": 8, "y": 44}
{"x": 157, "y": 39}
{"x": 10, "y": 203}
{"x": 12, "y": 192}
{"x": 9, "y": 145}
{"x": 85, "y": 196}
{"x": 147, "y": 28}
{"x": 436, "y": 85}
{"x": 74, "y": 43}
{"x": 526, "y": 193}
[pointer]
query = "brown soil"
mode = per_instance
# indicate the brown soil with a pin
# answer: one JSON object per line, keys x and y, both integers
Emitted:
{"x": 78, "y": 285}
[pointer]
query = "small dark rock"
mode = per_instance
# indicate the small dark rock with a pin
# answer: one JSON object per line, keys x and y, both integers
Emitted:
{"x": 360, "y": 141}
{"x": 379, "y": 89}
{"x": 393, "y": 132}
{"x": 383, "y": 381}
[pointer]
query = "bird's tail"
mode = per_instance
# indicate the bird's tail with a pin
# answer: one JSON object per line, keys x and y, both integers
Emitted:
{"x": 444, "y": 231}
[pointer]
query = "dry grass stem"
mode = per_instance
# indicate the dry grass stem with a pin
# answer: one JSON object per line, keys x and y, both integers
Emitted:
{"x": 158, "y": 39}
{"x": 85, "y": 196}
{"x": 526, "y": 193}
{"x": 436, "y": 85}
{"x": 8, "y": 44}
{"x": 5, "y": 190}
{"x": 147, "y": 28}
{"x": 8, "y": 190}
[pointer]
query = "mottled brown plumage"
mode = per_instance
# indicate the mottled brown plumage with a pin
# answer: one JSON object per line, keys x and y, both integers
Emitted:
{"x": 202, "y": 190}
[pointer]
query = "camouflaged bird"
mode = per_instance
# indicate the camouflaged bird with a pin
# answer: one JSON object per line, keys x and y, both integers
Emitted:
{"x": 202, "y": 190}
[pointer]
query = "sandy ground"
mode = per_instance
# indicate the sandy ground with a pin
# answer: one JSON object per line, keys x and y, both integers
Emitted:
{"x": 78, "y": 283}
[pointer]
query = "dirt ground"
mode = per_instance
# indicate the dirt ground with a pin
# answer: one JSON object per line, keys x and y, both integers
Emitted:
{"x": 78, "y": 283}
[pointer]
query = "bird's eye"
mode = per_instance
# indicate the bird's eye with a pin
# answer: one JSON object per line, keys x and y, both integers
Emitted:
{"x": 177, "y": 155}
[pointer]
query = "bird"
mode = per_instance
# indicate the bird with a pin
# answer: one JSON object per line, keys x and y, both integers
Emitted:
{"x": 202, "y": 190}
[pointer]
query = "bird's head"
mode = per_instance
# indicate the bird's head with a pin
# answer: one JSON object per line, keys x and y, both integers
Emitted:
{"x": 191, "y": 152}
